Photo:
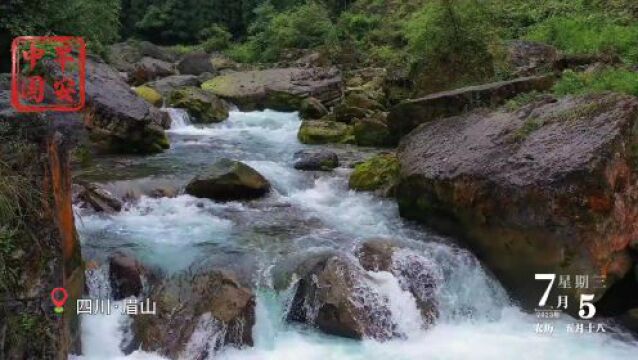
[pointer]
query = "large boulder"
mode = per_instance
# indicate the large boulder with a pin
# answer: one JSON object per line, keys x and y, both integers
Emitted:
{"x": 334, "y": 295}
{"x": 117, "y": 119}
{"x": 166, "y": 85}
{"x": 125, "y": 275}
{"x": 407, "y": 115}
{"x": 228, "y": 180}
{"x": 195, "y": 64}
{"x": 315, "y": 160}
{"x": 280, "y": 89}
{"x": 148, "y": 69}
{"x": 197, "y": 313}
{"x": 202, "y": 105}
{"x": 548, "y": 189}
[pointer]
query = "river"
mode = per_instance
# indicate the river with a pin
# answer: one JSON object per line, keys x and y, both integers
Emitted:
{"x": 305, "y": 212}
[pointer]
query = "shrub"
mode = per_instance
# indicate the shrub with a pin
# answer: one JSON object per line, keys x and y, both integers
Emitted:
{"x": 215, "y": 38}
{"x": 449, "y": 41}
{"x": 589, "y": 35}
{"x": 303, "y": 27}
{"x": 618, "y": 80}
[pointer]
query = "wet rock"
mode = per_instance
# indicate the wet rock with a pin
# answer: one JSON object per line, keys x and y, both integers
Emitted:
{"x": 195, "y": 64}
{"x": 334, "y": 295}
{"x": 203, "y": 106}
{"x": 150, "y": 95}
{"x": 148, "y": 69}
{"x": 198, "y": 313}
{"x": 228, "y": 180}
{"x": 417, "y": 274}
{"x": 125, "y": 275}
{"x": 324, "y": 132}
{"x": 312, "y": 108}
{"x": 407, "y": 115}
{"x": 315, "y": 160}
{"x": 117, "y": 119}
{"x": 166, "y": 85}
{"x": 548, "y": 190}
{"x": 279, "y": 89}
{"x": 100, "y": 199}
{"x": 379, "y": 173}
{"x": 372, "y": 131}
{"x": 630, "y": 320}
{"x": 531, "y": 58}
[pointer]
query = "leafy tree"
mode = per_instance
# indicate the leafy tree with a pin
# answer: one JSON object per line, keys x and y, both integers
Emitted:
{"x": 449, "y": 42}
{"x": 96, "y": 20}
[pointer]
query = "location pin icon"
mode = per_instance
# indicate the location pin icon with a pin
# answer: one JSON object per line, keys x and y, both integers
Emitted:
{"x": 58, "y": 298}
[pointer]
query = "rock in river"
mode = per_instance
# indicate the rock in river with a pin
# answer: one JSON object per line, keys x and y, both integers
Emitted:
{"x": 315, "y": 160}
{"x": 202, "y": 105}
{"x": 198, "y": 313}
{"x": 125, "y": 275}
{"x": 229, "y": 180}
{"x": 335, "y": 296}
{"x": 117, "y": 119}
{"x": 551, "y": 188}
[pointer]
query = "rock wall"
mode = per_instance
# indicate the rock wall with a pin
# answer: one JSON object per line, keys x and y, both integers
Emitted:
{"x": 39, "y": 247}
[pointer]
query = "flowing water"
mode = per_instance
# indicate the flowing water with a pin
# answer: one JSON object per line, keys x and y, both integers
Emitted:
{"x": 306, "y": 212}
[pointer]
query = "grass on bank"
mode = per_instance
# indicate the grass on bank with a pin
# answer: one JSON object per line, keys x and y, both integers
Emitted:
{"x": 609, "y": 79}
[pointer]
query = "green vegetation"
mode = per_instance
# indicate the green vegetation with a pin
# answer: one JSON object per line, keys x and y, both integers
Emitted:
{"x": 436, "y": 44}
{"x": 589, "y": 35}
{"x": 95, "y": 20}
{"x": 609, "y": 79}
{"x": 302, "y": 27}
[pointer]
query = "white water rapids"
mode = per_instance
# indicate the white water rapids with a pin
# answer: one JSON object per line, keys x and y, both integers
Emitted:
{"x": 308, "y": 212}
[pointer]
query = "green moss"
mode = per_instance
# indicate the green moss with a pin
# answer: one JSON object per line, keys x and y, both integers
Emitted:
{"x": 379, "y": 172}
{"x": 220, "y": 85}
{"x": 204, "y": 107}
{"x": 149, "y": 94}
{"x": 324, "y": 132}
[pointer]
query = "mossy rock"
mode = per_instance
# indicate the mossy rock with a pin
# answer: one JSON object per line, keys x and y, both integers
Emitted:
{"x": 372, "y": 132}
{"x": 324, "y": 132}
{"x": 346, "y": 114}
{"x": 380, "y": 172}
{"x": 362, "y": 101}
{"x": 149, "y": 94}
{"x": 203, "y": 106}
